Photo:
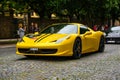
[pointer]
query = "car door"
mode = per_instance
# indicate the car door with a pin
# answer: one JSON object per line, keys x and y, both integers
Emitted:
{"x": 88, "y": 39}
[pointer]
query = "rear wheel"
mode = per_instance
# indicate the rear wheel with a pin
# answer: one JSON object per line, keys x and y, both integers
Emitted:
{"x": 77, "y": 49}
{"x": 102, "y": 44}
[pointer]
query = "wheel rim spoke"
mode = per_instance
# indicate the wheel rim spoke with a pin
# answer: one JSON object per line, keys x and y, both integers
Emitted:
{"x": 77, "y": 48}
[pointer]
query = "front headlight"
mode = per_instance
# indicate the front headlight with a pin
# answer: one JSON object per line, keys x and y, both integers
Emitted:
{"x": 62, "y": 39}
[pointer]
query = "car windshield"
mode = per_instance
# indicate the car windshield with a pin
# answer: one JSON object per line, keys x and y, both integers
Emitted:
{"x": 61, "y": 29}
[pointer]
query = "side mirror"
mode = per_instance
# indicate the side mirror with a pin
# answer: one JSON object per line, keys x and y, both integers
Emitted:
{"x": 36, "y": 33}
{"x": 87, "y": 33}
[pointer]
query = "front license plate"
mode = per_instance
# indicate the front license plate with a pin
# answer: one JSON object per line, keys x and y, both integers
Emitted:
{"x": 34, "y": 49}
{"x": 111, "y": 41}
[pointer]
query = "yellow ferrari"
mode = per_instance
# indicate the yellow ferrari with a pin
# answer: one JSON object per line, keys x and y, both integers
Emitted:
{"x": 61, "y": 39}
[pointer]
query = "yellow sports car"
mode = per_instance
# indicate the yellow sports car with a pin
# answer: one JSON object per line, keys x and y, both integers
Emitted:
{"x": 61, "y": 39}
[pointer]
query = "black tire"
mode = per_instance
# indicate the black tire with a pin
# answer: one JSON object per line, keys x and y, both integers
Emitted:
{"x": 77, "y": 49}
{"x": 102, "y": 44}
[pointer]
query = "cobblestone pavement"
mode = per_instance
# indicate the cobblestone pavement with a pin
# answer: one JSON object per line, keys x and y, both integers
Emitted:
{"x": 95, "y": 66}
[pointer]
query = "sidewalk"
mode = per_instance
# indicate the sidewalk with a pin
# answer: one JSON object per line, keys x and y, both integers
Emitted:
{"x": 7, "y": 40}
{"x": 6, "y": 43}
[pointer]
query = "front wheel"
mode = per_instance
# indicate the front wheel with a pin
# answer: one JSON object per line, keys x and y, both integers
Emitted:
{"x": 77, "y": 49}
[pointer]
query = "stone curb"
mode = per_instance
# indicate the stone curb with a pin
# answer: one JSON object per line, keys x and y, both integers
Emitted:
{"x": 7, "y": 40}
{"x": 7, "y": 45}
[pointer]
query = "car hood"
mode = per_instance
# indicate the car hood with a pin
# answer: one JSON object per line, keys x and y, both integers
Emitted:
{"x": 113, "y": 34}
{"x": 43, "y": 38}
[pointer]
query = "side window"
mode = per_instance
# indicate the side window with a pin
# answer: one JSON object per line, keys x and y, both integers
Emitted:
{"x": 83, "y": 29}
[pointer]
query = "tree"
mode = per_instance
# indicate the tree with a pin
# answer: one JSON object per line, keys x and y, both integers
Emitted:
{"x": 114, "y": 11}
{"x": 87, "y": 11}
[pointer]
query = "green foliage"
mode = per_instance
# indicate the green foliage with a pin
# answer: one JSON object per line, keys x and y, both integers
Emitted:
{"x": 92, "y": 9}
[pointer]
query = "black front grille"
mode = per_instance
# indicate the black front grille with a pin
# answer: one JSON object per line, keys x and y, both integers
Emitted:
{"x": 39, "y": 51}
{"x": 113, "y": 39}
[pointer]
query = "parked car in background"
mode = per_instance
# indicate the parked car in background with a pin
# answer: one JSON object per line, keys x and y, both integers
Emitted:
{"x": 62, "y": 39}
{"x": 113, "y": 35}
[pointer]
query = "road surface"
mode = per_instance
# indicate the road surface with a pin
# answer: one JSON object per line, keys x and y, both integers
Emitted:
{"x": 94, "y": 66}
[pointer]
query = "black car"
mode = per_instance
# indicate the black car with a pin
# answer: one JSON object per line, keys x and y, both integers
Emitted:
{"x": 113, "y": 35}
